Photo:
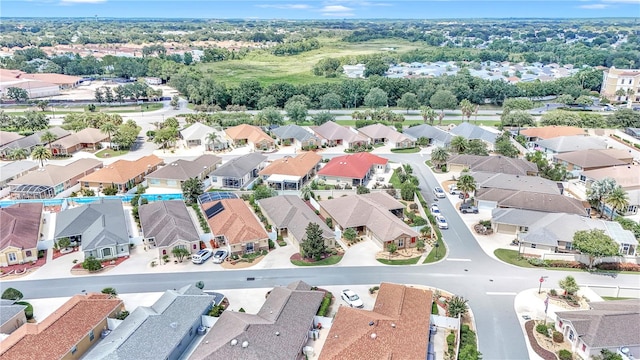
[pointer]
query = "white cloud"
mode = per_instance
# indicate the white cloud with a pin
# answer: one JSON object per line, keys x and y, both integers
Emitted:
{"x": 286, "y": 6}
{"x": 623, "y": 1}
{"x": 338, "y": 14}
{"x": 594, "y": 6}
{"x": 68, "y": 2}
{"x": 336, "y": 9}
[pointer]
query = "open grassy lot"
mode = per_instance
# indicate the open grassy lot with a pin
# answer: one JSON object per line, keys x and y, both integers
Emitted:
{"x": 268, "y": 68}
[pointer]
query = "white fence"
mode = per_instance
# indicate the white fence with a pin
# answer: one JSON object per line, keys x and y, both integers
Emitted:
{"x": 615, "y": 291}
{"x": 445, "y": 322}
{"x": 585, "y": 259}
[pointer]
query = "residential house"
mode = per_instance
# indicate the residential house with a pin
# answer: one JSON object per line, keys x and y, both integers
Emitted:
{"x": 62, "y": 80}
{"x": 628, "y": 177}
{"x": 332, "y": 134}
{"x": 621, "y": 79}
{"x": 238, "y": 172}
{"x": 235, "y": 226}
{"x": 491, "y": 198}
{"x": 382, "y": 134}
{"x": 635, "y": 132}
{"x": 279, "y": 331}
{"x": 297, "y": 136}
{"x": 88, "y": 138}
{"x": 7, "y": 137}
{"x": 52, "y": 180}
{"x": 198, "y": 134}
{"x": 20, "y": 227}
{"x": 30, "y": 142}
{"x": 485, "y": 180}
{"x": 354, "y": 71}
{"x": 100, "y": 228}
{"x": 555, "y": 231}
{"x": 353, "y": 170}
{"x": 250, "y": 135}
{"x": 12, "y": 316}
{"x": 290, "y": 216}
{"x": 610, "y": 325}
{"x": 592, "y": 159}
{"x": 65, "y": 334}
{"x": 291, "y": 173}
{"x": 397, "y": 327}
{"x": 535, "y": 134}
{"x": 163, "y": 330}
{"x": 376, "y": 215}
{"x": 174, "y": 174}
{"x": 123, "y": 175}
{"x": 437, "y": 137}
{"x": 564, "y": 144}
{"x": 473, "y": 132}
{"x": 492, "y": 164}
{"x": 35, "y": 89}
{"x": 15, "y": 169}
{"x": 167, "y": 225}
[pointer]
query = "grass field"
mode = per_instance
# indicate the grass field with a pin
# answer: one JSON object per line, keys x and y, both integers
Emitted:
{"x": 411, "y": 261}
{"x": 331, "y": 260}
{"x": 297, "y": 69}
{"x": 406, "y": 151}
{"x": 441, "y": 251}
{"x": 107, "y": 153}
{"x": 512, "y": 257}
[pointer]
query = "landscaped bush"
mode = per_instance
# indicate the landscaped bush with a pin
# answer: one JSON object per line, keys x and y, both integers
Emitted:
{"x": 28, "y": 311}
{"x": 558, "y": 337}
{"x": 468, "y": 344}
{"x": 434, "y": 308}
{"x": 565, "y": 355}
{"x": 553, "y": 292}
{"x": 324, "y": 306}
{"x": 282, "y": 243}
{"x": 451, "y": 343}
{"x": 618, "y": 266}
{"x": 542, "y": 329}
{"x": 216, "y": 311}
{"x": 272, "y": 245}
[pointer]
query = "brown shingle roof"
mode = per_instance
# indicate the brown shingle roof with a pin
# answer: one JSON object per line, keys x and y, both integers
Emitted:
{"x": 627, "y": 176}
{"x": 59, "y": 332}
{"x": 236, "y": 222}
{"x": 495, "y": 164}
{"x": 249, "y": 132}
{"x": 7, "y": 137}
{"x": 296, "y": 166}
{"x": 56, "y": 174}
{"x": 400, "y": 328}
{"x": 84, "y": 136}
{"x": 20, "y": 225}
{"x": 592, "y": 158}
{"x": 59, "y": 79}
{"x": 122, "y": 171}
{"x": 548, "y": 132}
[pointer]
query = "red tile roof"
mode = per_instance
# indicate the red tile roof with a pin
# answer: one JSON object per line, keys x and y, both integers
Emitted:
{"x": 353, "y": 166}
{"x": 56, "y": 335}
{"x": 122, "y": 171}
{"x": 548, "y": 132}
{"x": 236, "y": 222}
{"x": 58, "y": 79}
{"x": 20, "y": 225}
{"x": 296, "y": 166}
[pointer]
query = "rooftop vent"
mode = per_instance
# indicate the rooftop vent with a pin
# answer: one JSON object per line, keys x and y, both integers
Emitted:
{"x": 277, "y": 333}
{"x": 245, "y": 344}
{"x": 374, "y": 336}
{"x": 234, "y": 342}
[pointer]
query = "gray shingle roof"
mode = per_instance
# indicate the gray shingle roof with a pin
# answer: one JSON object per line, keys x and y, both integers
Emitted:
{"x": 607, "y": 327}
{"x": 182, "y": 170}
{"x": 167, "y": 222}
{"x": 429, "y": 132}
{"x": 515, "y": 182}
{"x": 155, "y": 332}
{"x": 470, "y": 132}
{"x": 196, "y": 131}
{"x": 101, "y": 224}
{"x": 293, "y": 132}
{"x": 290, "y": 212}
{"x": 563, "y": 144}
{"x": 15, "y": 168}
{"x": 240, "y": 166}
{"x": 277, "y": 332}
{"x": 529, "y": 200}
{"x": 34, "y": 139}
{"x": 495, "y": 164}
{"x": 9, "y": 310}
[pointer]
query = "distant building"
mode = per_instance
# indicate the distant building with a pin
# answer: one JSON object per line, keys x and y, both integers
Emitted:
{"x": 614, "y": 80}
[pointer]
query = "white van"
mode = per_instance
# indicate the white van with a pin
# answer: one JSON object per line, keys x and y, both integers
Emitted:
{"x": 202, "y": 256}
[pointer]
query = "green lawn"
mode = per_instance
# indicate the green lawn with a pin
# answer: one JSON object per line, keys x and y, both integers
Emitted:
{"x": 406, "y": 151}
{"x": 512, "y": 257}
{"x": 395, "y": 181}
{"x": 133, "y": 109}
{"x": 331, "y": 260}
{"x": 613, "y": 298}
{"x": 441, "y": 250}
{"x": 410, "y": 261}
{"x": 109, "y": 153}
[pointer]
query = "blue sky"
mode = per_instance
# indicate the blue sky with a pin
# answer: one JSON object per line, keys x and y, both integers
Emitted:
{"x": 327, "y": 9}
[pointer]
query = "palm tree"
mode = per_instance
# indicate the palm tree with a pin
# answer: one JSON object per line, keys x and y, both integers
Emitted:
{"x": 466, "y": 184}
{"x": 439, "y": 156}
{"x": 212, "y": 138}
{"x": 425, "y": 230}
{"x": 599, "y": 191}
{"x": 48, "y": 137}
{"x": 18, "y": 154}
{"x": 108, "y": 128}
{"x": 428, "y": 114}
{"x": 306, "y": 192}
{"x": 467, "y": 109}
{"x": 618, "y": 199}
{"x": 620, "y": 93}
{"x": 41, "y": 154}
{"x": 456, "y": 306}
{"x": 440, "y": 117}
{"x": 459, "y": 144}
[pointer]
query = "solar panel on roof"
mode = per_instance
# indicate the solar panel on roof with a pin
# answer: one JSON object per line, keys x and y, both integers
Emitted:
{"x": 214, "y": 210}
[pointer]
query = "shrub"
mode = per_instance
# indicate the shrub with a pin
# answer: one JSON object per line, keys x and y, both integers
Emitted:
{"x": 91, "y": 264}
{"x": 12, "y": 294}
{"x": 216, "y": 311}
{"x": 28, "y": 311}
{"x": 122, "y": 315}
{"x": 110, "y": 291}
{"x": 558, "y": 337}
{"x": 618, "y": 267}
{"x": 553, "y": 292}
{"x": 451, "y": 343}
{"x": 272, "y": 245}
{"x": 565, "y": 355}
{"x": 542, "y": 329}
{"x": 324, "y": 306}
{"x": 241, "y": 310}
{"x": 282, "y": 243}
{"x": 434, "y": 308}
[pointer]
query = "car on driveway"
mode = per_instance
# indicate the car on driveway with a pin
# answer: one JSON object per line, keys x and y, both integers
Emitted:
{"x": 202, "y": 256}
{"x": 442, "y": 222}
{"x": 468, "y": 207}
{"x": 439, "y": 193}
{"x": 219, "y": 256}
{"x": 435, "y": 209}
{"x": 453, "y": 189}
{"x": 351, "y": 298}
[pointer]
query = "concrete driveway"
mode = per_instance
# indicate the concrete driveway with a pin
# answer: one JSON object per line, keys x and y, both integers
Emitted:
{"x": 361, "y": 254}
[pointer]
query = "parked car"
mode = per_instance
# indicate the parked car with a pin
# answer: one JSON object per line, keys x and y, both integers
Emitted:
{"x": 351, "y": 298}
{"x": 201, "y": 256}
{"x": 453, "y": 189}
{"x": 219, "y": 256}
{"x": 442, "y": 222}
{"x": 468, "y": 207}
{"x": 435, "y": 209}
{"x": 439, "y": 193}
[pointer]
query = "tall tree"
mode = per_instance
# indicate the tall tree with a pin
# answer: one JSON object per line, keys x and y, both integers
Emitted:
{"x": 270, "y": 116}
{"x": 48, "y": 137}
{"x": 108, "y": 128}
{"x": 439, "y": 156}
{"x": 595, "y": 244}
{"x": 41, "y": 154}
{"x": 467, "y": 108}
{"x": 467, "y": 184}
{"x": 428, "y": 114}
{"x": 618, "y": 199}
{"x": 296, "y": 111}
{"x": 17, "y": 94}
{"x": 599, "y": 191}
{"x": 376, "y": 98}
{"x": 330, "y": 101}
{"x": 313, "y": 245}
{"x": 98, "y": 96}
{"x": 459, "y": 144}
{"x": 408, "y": 101}
{"x": 191, "y": 189}
{"x": 443, "y": 99}
{"x": 457, "y": 306}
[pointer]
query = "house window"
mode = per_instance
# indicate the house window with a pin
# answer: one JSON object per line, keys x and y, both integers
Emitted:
{"x": 28, "y": 253}
{"x": 74, "y": 349}
{"x": 571, "y": 336}
{"x": 584, "y": 347}
{"x": 214, "y": 179}
{"x": 250, "y": 248}
{"x": 401, "y": 242}
{"x": 12, "y": 257}
{"x": 524, "y": 228}
{"x": 106, "y": 252}
{"x": 533, "y": 246}
{"x": 91, "y": 336}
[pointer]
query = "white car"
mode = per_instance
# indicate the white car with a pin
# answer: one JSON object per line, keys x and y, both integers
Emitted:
{"x": 202, "y": 256}
{"x": 219, "y": 256}
{"x": 435, "y": 209}
{"x": 352, "y": 298}
{"x": 442, "y": 222}
{"x": 439, "y": 193}
{"x": 453, "y": 189}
